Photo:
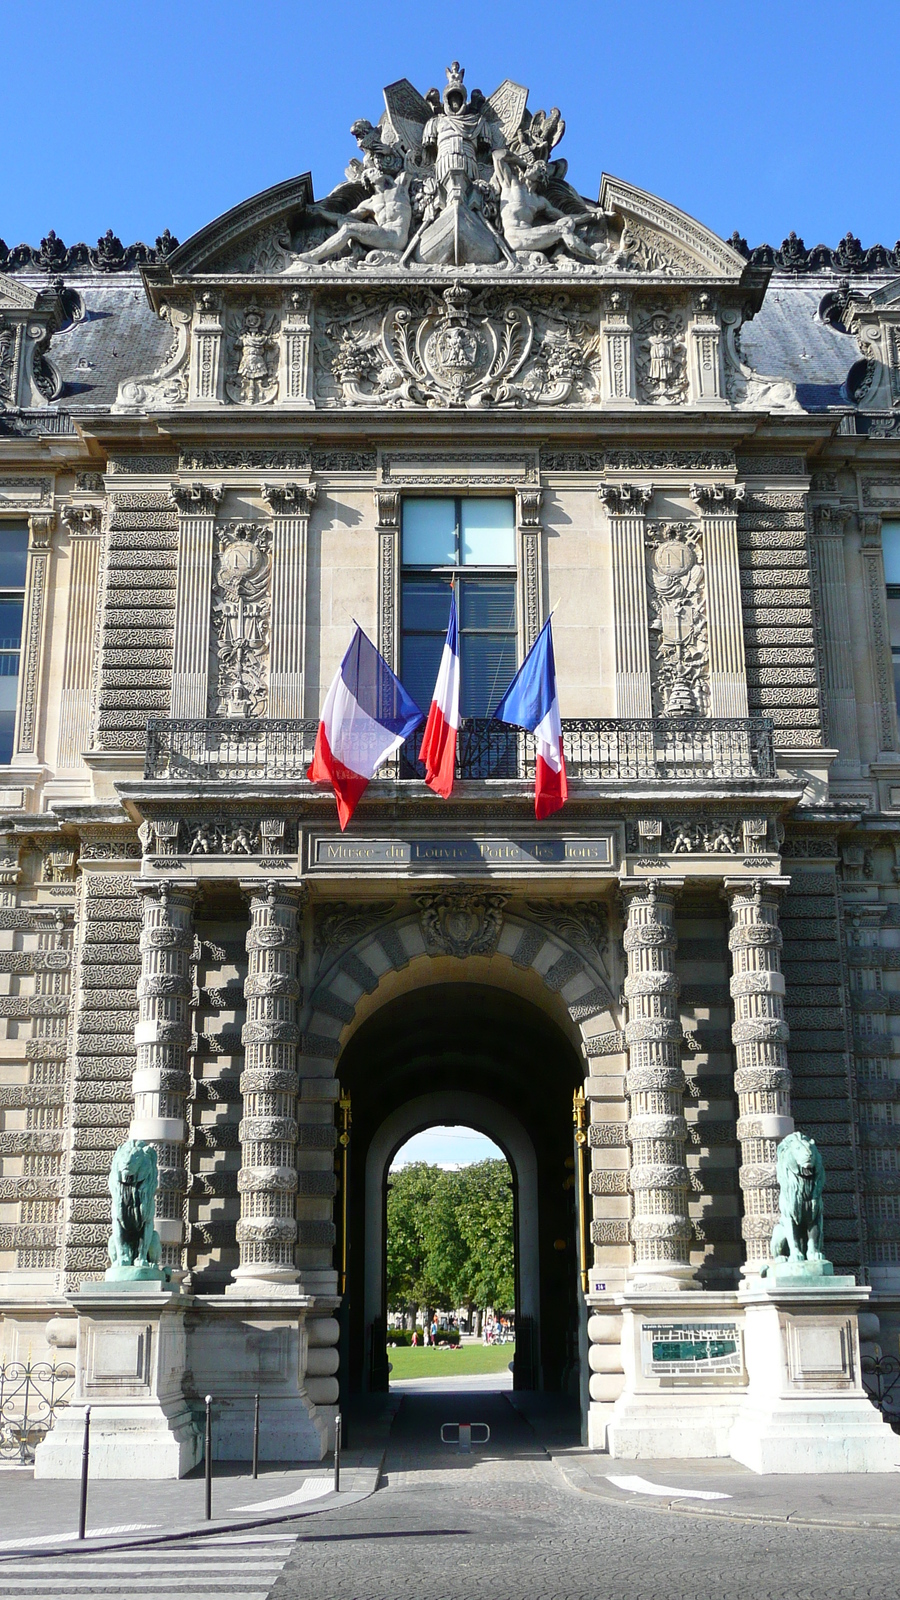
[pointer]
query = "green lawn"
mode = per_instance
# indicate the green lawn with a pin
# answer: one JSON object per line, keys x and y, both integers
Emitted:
{"x": 443, "y": 1363}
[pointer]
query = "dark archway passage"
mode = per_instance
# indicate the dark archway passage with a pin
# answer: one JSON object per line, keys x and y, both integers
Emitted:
{"x": 470, "y": 1040}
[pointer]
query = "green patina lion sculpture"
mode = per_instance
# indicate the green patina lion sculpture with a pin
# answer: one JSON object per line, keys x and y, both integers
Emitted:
{"x": 801, "y": 1179}
{"x": 134, "y": 1248}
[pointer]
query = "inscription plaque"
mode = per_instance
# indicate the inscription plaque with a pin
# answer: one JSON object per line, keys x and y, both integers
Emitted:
{"x": 469, "y": 851}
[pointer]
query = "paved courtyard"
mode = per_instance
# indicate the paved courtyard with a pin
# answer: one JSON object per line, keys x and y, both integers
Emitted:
{"x": 503, "y": 1523}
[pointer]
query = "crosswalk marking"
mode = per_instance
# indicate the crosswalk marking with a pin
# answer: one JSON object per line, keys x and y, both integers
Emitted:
{"x": 222, "y": 1567}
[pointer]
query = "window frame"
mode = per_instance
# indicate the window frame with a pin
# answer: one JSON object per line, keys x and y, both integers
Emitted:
{"x": 19, "y": 593}
{"x": 460, "y": 574}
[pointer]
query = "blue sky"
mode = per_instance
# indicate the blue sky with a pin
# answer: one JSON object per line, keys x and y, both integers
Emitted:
{"x": 447, "y": 1147}
{"x": 145, "y": 114}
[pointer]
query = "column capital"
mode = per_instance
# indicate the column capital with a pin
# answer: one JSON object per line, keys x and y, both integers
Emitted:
{"x": 387, "y": 509}
{"x": 528, "y": 507}
{"x": 272, "y": 889}
{"x": 197, "y": 499}
{"x": 751, "y": 887}
{"x": 289, "y": 499}
{"x": 651, "y": 888}
{"x": 718, "y": 499}
{"x": 626, "y": 499}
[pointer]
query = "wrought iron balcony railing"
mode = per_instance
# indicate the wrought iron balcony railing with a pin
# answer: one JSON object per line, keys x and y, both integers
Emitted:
{"x": 229, "y": 749}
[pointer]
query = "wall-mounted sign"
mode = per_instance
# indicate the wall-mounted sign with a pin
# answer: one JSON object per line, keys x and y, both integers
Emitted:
{"x": 468, "y": 851}
{"x": 691, "y": 1349}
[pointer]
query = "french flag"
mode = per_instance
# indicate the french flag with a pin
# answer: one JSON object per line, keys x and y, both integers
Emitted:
{"x": 532, "y": 702}
{"x": 366, "y": 717}
{"x": 438, "y": 750}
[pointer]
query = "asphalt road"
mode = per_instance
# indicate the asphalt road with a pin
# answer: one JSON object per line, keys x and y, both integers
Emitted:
{"x": 501, "y": 1525}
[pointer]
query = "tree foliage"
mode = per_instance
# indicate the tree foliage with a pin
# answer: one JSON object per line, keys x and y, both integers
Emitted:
{"x": 450, "y": 1237}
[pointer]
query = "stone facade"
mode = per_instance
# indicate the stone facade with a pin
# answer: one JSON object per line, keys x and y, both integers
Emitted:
{"x": 209, "y": 447}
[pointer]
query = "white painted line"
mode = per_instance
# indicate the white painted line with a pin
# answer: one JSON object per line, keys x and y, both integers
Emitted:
{"x": 310, "y": 1489}
{"x": 92, "y": 1533}
{"x": 635, "y": 1485}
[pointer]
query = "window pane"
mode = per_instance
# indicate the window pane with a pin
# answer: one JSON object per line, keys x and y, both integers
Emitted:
{"x": 10, "y": 624}
{"x": 426, "y": 605}
{"x": 7, "y": 729}
{"x": 13, "y": 554}
{"x": 429, "y": 533}
{"x": 488, "y": 666}
{"x": 893, "y": 607}
{"x": 488, "y": 533}
{"x": 421, "y": 657}
{"x": 487, "y": 605}
{"x": 890, "y": 544}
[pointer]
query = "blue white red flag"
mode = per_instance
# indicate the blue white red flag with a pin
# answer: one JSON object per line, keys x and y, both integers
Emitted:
{"x": 438, "y": 750}
{"x": 366, "y": 717}
{"x": 532, "y": 702}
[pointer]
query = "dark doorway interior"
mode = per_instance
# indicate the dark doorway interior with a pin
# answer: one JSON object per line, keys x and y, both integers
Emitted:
{"x": 471, "y": 1039}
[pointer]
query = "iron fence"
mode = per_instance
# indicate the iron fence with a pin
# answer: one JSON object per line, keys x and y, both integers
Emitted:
{"x": 881, "y": 1381}
{"x": 226, "y": 749}
{"x": 31, "y": 1394}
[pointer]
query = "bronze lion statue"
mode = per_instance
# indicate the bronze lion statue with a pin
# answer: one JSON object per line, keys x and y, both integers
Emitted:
{"x": 801, "y": 1179}
{"x": 133, "y": 1182}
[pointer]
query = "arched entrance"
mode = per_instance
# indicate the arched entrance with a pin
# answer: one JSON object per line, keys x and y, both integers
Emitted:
{"x": 468, "y": 1052}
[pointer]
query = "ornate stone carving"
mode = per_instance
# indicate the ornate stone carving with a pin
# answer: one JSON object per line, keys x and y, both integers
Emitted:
{"x": 462, "y": 922}
{"x": 625, "y": 499}
{"x": 463, "y": 348}
{"x": 678, "y": 629}
{"x": 661, "y": 358}
{"x": 343, "y": 922}
{"x": 718, "y": 497}
{"x": 240, "y": 619}
{"x": 251, "y": 375}
{"x": 168, "y": 385}
{"x": 82, "y": 520}
{"x": 584, "y": 923}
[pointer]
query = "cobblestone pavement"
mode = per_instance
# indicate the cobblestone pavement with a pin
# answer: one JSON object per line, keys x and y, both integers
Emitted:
{"x": 500, "y": 1524}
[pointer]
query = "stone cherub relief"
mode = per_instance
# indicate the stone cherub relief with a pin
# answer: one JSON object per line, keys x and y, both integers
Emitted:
{"x": 457, "y": 180}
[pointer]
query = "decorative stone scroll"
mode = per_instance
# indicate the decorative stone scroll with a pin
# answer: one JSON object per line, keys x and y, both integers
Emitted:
{"x": 657, "y": 1131}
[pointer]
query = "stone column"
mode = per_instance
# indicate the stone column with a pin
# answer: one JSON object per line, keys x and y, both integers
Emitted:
{"x": 196, "y": 504}
{"x": 207, "y": 366}
{"x": 626, "y": 506}
{"x": 295, "y": 365}
{"x": 837, "y": 648}
{"x": 83, "y": 523}
{"x": 705, "y": 354}
{"x": 290, "y": 504}
{"x": 879, "y": 634}
{"x": 267, "y": 1231}
{"x": 387, "y": 510}
{"x": 162, "y": 1036}
{"x": 528, "y": 518}
{"x": 759, "y": 1033}
{"x": 727, "y": 663}
{"x": 617, "y": 385}
{"x": 661, "y": 1229}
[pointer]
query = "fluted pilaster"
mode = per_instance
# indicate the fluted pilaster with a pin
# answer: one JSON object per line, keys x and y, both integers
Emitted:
{"x": 626, "y": 505}
{"x": 267, "y": 1182}
{"x": 657, "y": 1131}
{"x": 161, "y": 1080}
{"x": 759, "y": 1033}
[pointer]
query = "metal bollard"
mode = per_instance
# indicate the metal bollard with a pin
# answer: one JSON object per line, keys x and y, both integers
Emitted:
{"x": 337, "y": 1453}
{"x": 208, "y": 1458}
{"x": 464, "y": 1434}
{"x": 85, "y": 1459}
{"x": 256, "y": 1437}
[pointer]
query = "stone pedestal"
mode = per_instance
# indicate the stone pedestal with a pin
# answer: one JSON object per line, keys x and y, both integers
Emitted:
{"x": 805, "y": 1409}
{"x": 684, "y": 1375}
{"x": 130, "y": 1363}
{"x": 240, "y": 1346}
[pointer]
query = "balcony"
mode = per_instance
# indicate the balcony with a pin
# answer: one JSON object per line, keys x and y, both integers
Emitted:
{"x": 230, "y": 749}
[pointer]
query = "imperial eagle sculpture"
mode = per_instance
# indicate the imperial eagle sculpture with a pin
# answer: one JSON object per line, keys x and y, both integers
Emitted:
{"x": 134, "y": 1246}
{"x": 801, "y": 1180}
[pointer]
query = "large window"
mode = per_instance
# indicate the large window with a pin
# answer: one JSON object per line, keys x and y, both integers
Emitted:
{"x": 890, "y": 544}
{"x": 470, "y": 543}
{"x": 13, "y": 560}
